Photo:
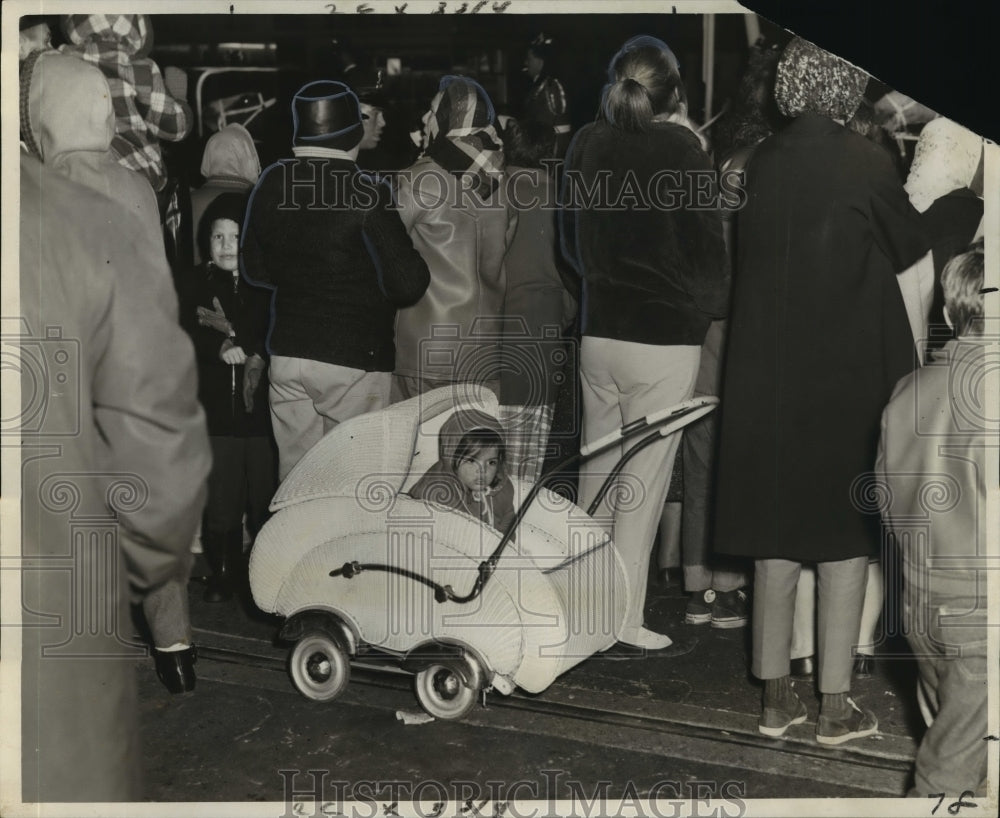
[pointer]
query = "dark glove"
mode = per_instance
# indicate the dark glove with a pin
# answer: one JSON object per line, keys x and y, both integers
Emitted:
{"x": 253, "y": 369}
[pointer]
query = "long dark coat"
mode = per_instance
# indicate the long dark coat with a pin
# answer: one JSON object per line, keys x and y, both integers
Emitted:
{"x": 818, "y": 338}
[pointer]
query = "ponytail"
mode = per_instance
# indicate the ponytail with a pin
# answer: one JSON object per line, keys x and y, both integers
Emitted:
{"x": 626, "y": 104}
{"x": 644, "y": 83}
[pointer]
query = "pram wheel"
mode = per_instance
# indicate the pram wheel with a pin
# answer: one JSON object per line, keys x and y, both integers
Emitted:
{"x": 443, "y": 692}
{"x": 318, "y": 666}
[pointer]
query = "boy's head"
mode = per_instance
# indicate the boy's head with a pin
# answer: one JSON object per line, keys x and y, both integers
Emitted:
{"x": 478, "y": 458}
{"x": 962, "y": 282}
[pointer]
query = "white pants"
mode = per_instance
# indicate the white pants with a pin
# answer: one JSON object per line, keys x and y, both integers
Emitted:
{"x": 623, "y": 381}
{"x": 309, "y": 398}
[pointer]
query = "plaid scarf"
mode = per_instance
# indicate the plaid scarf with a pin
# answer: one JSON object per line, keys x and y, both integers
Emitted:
{"x": 462, "y": 136}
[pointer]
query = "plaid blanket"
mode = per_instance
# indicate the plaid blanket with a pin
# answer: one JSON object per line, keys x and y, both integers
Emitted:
{"x": 145, "y": 112}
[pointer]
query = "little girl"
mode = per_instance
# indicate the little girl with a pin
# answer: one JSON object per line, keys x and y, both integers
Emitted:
{"x": 469, "y": 474}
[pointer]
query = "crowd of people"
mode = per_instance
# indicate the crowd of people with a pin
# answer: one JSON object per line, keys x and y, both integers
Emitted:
{"x": 815, "y": 303}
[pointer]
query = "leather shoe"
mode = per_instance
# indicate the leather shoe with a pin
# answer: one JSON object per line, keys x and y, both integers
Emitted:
{"x": 803, "y": 669}
{"x": 864, "y": 666}
{"x": 622, "y": 651}
{"x": 175, "y": 669}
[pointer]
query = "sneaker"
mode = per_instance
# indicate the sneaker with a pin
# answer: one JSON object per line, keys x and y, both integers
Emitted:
{"x": 774, "y": 721}
{"x": 857, "y": 724}
{"x": 699, "y": 608}
{"x": 729, "y": 610}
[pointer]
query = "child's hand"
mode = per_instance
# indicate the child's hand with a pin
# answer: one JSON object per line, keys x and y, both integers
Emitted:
{"x": 176, "y": 80}
{"x": 232, "y": 354}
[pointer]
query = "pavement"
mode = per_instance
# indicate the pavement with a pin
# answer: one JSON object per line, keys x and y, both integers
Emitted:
{"x": 640, "y": 723}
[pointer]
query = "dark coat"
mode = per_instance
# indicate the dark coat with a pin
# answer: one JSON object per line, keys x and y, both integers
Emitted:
{"x": 327, "y": 238}
{"x": 818, "y": 337}
{"x": 220, "y": 385}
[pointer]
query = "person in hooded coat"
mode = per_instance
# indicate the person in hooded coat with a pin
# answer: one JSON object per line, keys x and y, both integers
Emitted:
{"x": 227, "y": 319}
{"x": 112, "y": 480}
{"x": 229, "y": 164}
{"x": 67, "y": 121}
{"x": 453, "y": 203}
{"x": 818, "y": 336}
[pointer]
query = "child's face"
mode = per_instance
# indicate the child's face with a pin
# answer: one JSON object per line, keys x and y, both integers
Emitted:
{"x": 225, "y": 244}
{"x": 478, "y": 470}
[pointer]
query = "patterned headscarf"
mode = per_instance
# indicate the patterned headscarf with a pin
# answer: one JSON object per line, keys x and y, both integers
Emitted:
{"x": 811, "y": 80}
{"x": 462, "y": 136}
{"x": 946, "y": 158}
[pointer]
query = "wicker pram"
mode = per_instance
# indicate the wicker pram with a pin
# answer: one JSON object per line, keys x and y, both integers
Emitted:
{"x": 360, "y": 568}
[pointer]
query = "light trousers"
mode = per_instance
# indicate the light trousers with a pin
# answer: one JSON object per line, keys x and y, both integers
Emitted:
{"x": 622, "y": 381}
{"x": 308, "y": 398}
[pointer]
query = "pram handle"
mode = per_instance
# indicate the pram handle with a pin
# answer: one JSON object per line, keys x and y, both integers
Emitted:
{"x": 663, "y": 423}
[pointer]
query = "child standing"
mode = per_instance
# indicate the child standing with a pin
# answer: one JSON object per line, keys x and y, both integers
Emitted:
{"x": 469, "y": 474}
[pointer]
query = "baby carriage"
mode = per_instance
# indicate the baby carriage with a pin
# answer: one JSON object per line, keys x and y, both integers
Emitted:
{"x": 360, "y": 569}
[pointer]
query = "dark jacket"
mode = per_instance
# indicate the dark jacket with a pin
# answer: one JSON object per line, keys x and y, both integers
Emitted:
{"x": 818, "y": 337}
{"x": 327, "y": 238}
{"x": 220, "y": 385}
{"x": 654, "y": 267}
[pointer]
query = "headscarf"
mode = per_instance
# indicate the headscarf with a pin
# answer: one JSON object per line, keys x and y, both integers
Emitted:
{"x": 812, "y": 80}
{"x": 946, "y": 158}
{"x": 462, "y": 136}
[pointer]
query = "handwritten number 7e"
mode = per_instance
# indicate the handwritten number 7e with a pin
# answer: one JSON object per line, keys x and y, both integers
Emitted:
{"x": 955, "y": 807}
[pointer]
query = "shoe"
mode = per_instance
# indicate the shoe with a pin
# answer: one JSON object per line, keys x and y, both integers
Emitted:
{"x": 699, "y": 608}
{"x": 774, "y": 721}
{"x": 857, "y": 724}
{"x": 622, "y": 651}
{"x": 175, "y": 669}
{"x": 730, "y": 609}
{"x": 803, "y": 669}
{"x": 864, "y": 666}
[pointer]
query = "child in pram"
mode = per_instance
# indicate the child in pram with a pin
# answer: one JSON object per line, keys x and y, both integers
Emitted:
{"x": 470, "y": 472}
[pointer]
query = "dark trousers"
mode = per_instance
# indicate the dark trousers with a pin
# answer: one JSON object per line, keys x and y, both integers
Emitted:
{"x": 243, "y": 479}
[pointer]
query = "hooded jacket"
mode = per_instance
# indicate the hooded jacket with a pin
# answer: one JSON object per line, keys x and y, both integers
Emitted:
{"x": 229, "y": 163}
{"x": 495, "y": 505}
{"x": 67, "y": 121}
{"x": 145, "y": 112}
